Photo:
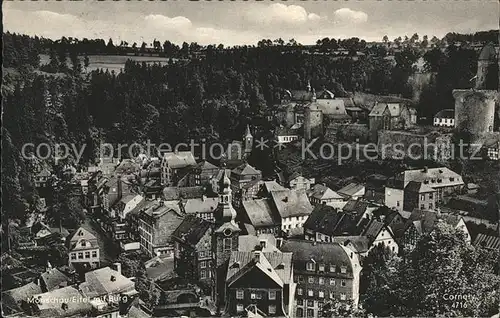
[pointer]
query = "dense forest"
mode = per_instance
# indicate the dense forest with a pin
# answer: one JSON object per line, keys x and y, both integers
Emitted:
{"x": 213, "y": 97}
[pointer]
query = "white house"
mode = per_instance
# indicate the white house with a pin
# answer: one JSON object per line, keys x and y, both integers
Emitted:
{"x": 445, "y": 118}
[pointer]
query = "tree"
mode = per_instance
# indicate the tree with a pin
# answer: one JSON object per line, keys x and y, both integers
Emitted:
{"x": 385, "y": 39}
{"x": 86, "y": 61}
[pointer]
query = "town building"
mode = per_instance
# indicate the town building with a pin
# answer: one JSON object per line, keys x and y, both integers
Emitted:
{"x": 352, "y": 191}
{"x": 193, "y": 250}
{"x": 263, "y": 280}
{"x": 83, "y": 249}
{"x": 445, "y": 118}
{"x": 443, "y": 180}
{"x": 292, "y": 207}
{"x": 324, "y": 272}
{"x": 321, "y": 194}
{"x": 175, "y": 165}
{"x": 390, "y": 116}
{"x": 299, "y": 182}
{"x": 260, "y": 215}
{"x": 418, "y": 195}
{"x": 156, "y": 225}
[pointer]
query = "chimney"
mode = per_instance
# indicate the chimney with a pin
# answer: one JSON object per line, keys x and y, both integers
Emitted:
{"x": 314, "y": 243}
{"x": 118, "y": 267}
{"x": 113, "y": 278}
{"x": 426, "y": 169}
{"x": 256, "y": 256}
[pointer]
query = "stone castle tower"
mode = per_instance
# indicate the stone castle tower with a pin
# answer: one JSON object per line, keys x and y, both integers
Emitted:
{"x": 475, "y": 108}
{"x": 225, "y": 236}
{"x": 313, "y": 119}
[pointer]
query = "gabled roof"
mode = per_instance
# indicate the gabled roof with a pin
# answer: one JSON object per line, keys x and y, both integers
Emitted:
{"x": 80, "y": 234}
{"x": 373, "y": 229}
{"x": 245, "y": 169}
{"x": 418, "y": 187}
{"x": 360, "y": 243}
{"x": 331, "y": 106}
{"x": 319, "y": 252}
{"x": 163, "y": 207}
{"x": 322, "y": 192}
{"x": 179, "y": 159}
{"x": 200, "y": 205}
{"x": 272, "y": 186}
{"x": 206, "y": 165}
{"x": 351, "y": 189}
{"x": 379, "y": 109}
{"x": 191, "y": 230}
{"x": 248, "y": 243}
{"x": 327, "y": 220}
{"x": 356, "y": 207}
{"x": 12, "y": 298}
{"x": 276, "y": 265}
{"x": 105, "y": 281}
{"x": 53, "y": 278}
{"x": 445, "y": 113}
{"x": 51, "y": 308}
{"x": 423, "y": 175}
{"x": 291, "y": 203}
{"x": 259, "y": 212}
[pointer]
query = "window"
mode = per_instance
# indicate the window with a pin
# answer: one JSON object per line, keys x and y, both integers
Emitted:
{"x": 431, "y": 196}
{"x": 422, "y": 207}
{"x": 202, "y": 254}
{"x": 310, "y": 313}
{"x": 310, "y": 266}
{"x": 203, "y": 264}
{"x": 331, "y": 295}
{"x": 239, "y": 294}
{"x": 332, "y": 268}
{"x": 227, "y": 244}
{"x": 343, "y": 269}
{"x": 322, "y": 268}
{"x": 239, "y": 307}
{"x": 87, "y": 254}
{"x": 94, "y": 253}
{"x": 430, "y": 206}
{"x": 321, "y": 281}
{"x": 343, "y": 297}
{"x": 342, "y": 283}
{"x": 300, "y": 279}
{"x": 310, "y": 293}
{"x": 272, "y": 309}
{"x": 321, "y": 294}
{"x": 272, "y": 294}
{"x": 300, "y": 312}
{"x": 299, "y": 291}
{"x": 310, "y": 303}
{"x": 397, "y": 203}
{"x": 203, "y": 274}
{"x": 422, "y": 197}
{"x": 80, "y": 255}
{"x": 332, "y": 281}
{"x": 452, "y": 179}
{"x": 310, "y": 280}
{"x": 73, "y": 255}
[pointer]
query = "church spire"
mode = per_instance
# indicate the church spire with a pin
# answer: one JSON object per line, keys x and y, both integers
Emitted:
{"x": 225, "y": 213}
{"x": 308, "y": 85}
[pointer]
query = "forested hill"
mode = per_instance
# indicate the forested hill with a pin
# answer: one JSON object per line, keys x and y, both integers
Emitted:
{"x": 214, "y": 97}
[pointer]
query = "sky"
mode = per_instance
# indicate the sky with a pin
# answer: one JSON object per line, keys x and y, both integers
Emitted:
{"x": 247, "y": 22}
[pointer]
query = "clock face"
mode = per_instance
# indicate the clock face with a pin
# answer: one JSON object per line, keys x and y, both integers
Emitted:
{"x": 227, "y": 232}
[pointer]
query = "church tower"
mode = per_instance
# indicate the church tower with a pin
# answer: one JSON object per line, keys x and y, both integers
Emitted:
{"x": 309, "y": 86}
{"x": 225, "y": 236}
{"x": 248, "y": 142}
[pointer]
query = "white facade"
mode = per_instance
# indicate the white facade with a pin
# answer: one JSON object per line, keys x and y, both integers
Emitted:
{"x": 288, "y": 138}
{"x": 293, "y": 222}
{"x": 394, "y": 198}
{"x": 385, "y": 239}
{"x": 444, "y": 122}
{"x": 130, "y": 205}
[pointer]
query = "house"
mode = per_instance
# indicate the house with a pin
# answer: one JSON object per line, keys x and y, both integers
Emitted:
{"x": 173, "y": 164}
{"x": 298, "y": 182}
{"x": 424, "y": 222}
{"x": 352, "y": 191}
{"x": 52, "y": 279}
{"x": 292, "y": 206}
{"x": 83, "y": 248}
{"x": 491, "y": 146}
{"x": 445, "y": 118}
{"x": 487, "y": 242}
{"x": 260, "y": 279}
{"x": 325, "y": 222}
{"x": 243, "y": 174}
{"x": 379, "y": 234}
{"x": 321, "y": 194}
{"x": 286, "y": 135}
{"x": 324, "y": 272}
{"x": 390, "y": 116}
{"x": 156, "y": 225}
{"x": 443, "y": 180}
{"x": 201, "y": 173}
{"x": 268, "y": 186}
{"x": 418, "y": 195}
{"x": 259, "y": 213}
{"x": 193, "y": 249}
{"x": 42, "y": 178}
{"x": 178, "y": 193}
{"x": 262, "y": 242}
{"x": 44, "y": 233}
{"x": 70, "y": 303}
{"x": 16, "y": 300}
{"x": 118, "y": 225}
{"x": 203, "y": 207}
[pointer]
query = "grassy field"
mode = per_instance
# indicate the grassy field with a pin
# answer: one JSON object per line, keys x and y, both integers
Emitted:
{"x": 112, "y": 62}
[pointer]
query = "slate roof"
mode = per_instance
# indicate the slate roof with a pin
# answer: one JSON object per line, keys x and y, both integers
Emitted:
{"x": 191, "y": 230}
{"x": 276, "y": 265}
{"x": 351, "y": 189}
{"x": 206, "y": 165}
{"x": 290, "y": 203}
{"x": 161, "y": 208}
{"x": 12, "y": 298}
{"x": 445, "y": 113}
{"x": 373, "y": 229}
{"x": 105, "y": 281}
{"x": 200, "y": 205}
{"x": 425, "y": 221}
{"x": 322, "y": 192}
{"x": 487, "y": 241}
{"x": 53, "y": 278}
{"x": 272, "y": 186}
{"x": 247, "y": 243}
{"x": 328, "y": 253}
{"x": 356, "y": 207}
{"x": 327, "y": 220}
{"x": 50, "y": 308}
{"x": 245, "y": 169}
{"x": 259, "y": 212}
{"x": 361, "y": 243}
{"x": 176, "y": 193}
{"x": 179, "y": 159}
{"x": 333, "y": 107}
{"x": 80, "y": 234}
{"x": 422, "y": 175}
{"x": 418, "y": 187}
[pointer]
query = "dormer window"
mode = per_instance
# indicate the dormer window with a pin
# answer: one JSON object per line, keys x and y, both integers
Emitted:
{"x": 310, "y": 266}
{"x": 332, "y": 268}
{"x": 321, "y": 268}
{"x": 343, "y": 269}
